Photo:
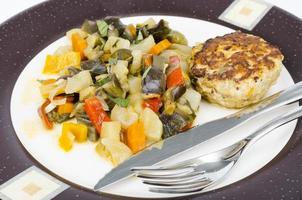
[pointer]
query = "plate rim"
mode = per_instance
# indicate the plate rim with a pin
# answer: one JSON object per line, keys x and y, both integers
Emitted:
{"x": 284, "y": 151}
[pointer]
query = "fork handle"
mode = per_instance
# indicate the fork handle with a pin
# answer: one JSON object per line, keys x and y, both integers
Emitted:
{"x": 261, "y": 132}
{"x": 273, "y": 124}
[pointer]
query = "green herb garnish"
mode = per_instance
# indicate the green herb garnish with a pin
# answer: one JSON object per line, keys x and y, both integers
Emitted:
{"x": 119, "y": 101}
{"x": 103, "y": 81}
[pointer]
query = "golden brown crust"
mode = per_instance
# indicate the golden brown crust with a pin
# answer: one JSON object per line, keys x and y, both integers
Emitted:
{"x": 236, "y": 56}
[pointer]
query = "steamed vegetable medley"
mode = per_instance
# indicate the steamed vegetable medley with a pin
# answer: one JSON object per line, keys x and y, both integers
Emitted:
{"x": 121, "y": 86}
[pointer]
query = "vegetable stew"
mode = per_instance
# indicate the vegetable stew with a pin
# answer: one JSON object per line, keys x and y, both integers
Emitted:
{"x": 120, "y": 86}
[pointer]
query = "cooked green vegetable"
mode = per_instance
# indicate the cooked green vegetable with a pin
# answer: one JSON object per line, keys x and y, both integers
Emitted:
{"x": 177, "y": 92}
{"x": 122, "y": 54}
{"x": 114, "y": 88}
{"x": 102, "y": 27}
{"x": 93, "y": 136}
{"x": 169, "y": 103}
{"x": 103, "y": 81}
{"x": 89, "y": 26}
{"x": 73, "y": 71}
{"x": 116, "y": 23}
{"x": 54, "y": 116}
{"x": 78, "y": 108}
{"x": 161, "y": 31}
{"x": 94, "y": 66}
{"x": 82, "y": 117}
{"x": 177, "y": 37}
{"x": 95, "y": 40}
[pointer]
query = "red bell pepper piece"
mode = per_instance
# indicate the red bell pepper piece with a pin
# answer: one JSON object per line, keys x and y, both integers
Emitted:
{"x": 153, "y": 103}
{"x": 96, "y": 113}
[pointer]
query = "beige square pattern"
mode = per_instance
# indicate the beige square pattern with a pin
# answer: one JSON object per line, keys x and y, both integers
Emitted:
{"x": 32, "y": 184}
{"x": 245, "y": 13}
{"x": 31, "y": 189}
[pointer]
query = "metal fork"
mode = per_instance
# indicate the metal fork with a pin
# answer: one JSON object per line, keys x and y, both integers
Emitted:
{"x": 195, "y": 174}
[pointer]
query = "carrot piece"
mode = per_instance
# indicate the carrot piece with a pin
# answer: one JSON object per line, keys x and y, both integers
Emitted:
{"x": 65, "y": 108}
{"x": 175, "y": 78}
{"x": 135, "y": 137}
{"x": 159, "y": 47}
{"x": 95, "y": 112}
{"x": 41, "y": 111}
{"x": 154, "y": 104}
{"x": 147, "y": 60}
{"x": 79, "y": 44}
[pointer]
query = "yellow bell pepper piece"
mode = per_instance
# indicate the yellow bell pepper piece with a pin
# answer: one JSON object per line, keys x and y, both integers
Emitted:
{"x": 55, "y": 63}
{"x": 80, "y": 132}
{"x": 71, "y": 132}
{"x": 66, "y": 141}
{"x": 48, "y": 81}
{"x": 78, "y": 44}
{"x": 65, "y": 108}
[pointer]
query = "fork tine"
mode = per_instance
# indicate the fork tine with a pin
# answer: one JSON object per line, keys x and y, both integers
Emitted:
{"x": 179, "y": 182}
{"x": 181, "y": 189}
{"x": 169, "y": 178}
{"x": 165, "y": 172}
{"x": 192, "y": 184}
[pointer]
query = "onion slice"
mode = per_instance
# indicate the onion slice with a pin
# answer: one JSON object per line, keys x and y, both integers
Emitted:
{"x": 50, "y": 107}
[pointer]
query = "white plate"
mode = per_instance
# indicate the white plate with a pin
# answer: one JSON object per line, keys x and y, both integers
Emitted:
{"x": 84, "y": 167}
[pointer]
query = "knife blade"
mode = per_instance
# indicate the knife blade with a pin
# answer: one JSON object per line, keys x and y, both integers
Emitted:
{"x": 171, "y": 147}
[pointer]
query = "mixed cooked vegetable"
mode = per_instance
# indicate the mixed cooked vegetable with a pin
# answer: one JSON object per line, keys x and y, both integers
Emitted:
{"x": 122, "y": 86}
